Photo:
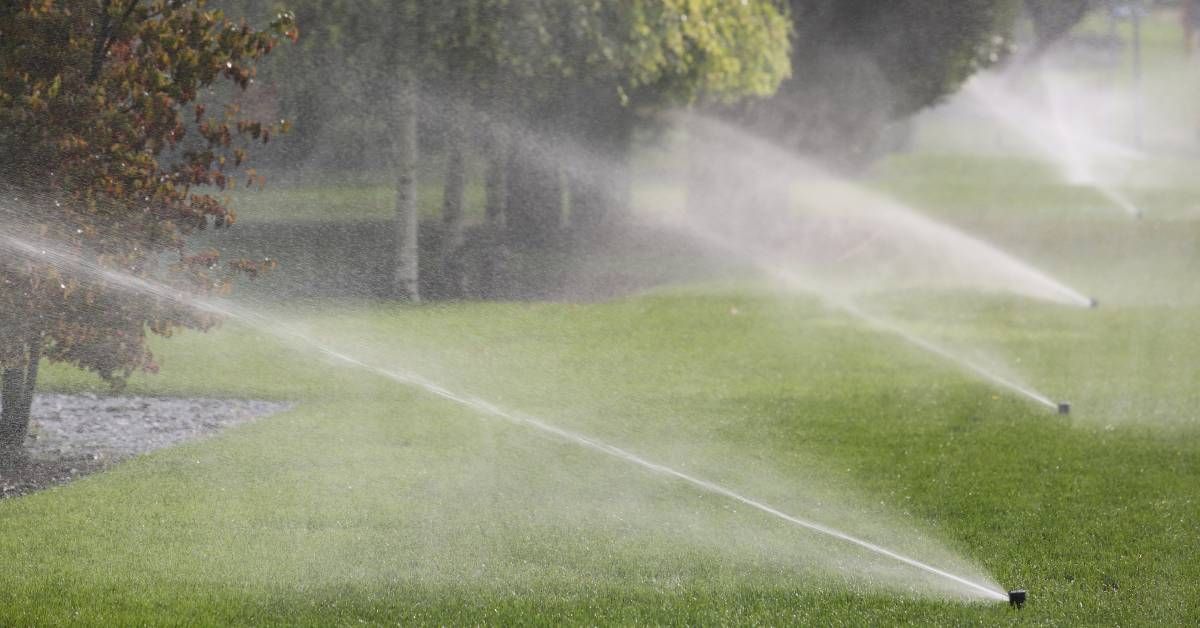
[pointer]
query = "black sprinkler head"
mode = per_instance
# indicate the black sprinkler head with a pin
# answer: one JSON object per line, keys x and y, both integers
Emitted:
{"x": 1016, "y": 598}
{"x": 1093, "y": 303}
{"x": 1064, "y": 408}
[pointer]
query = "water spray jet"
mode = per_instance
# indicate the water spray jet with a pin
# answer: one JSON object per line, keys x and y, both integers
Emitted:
{"x": 43, "y": 252}
{"x": 1074, "y": 150}
{"x": 996, "y": 269}
{"x": 795, "y": 280}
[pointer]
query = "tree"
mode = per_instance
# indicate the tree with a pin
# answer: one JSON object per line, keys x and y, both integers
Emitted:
{"x": 404, "y": 38}
{"x": 603, "y": 66}
{"x": 101, "y": 161}
{"x": 522, "y": 80}
{"x": 359, "y": 78}
{"x": 859, "y": 65}
{"x": 1052, "y": 19}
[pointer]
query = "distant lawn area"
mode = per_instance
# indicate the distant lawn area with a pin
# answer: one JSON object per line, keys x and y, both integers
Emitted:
{"x": 331, "y": 201}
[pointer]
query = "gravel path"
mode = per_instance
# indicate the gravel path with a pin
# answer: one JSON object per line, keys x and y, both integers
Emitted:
{"x": 74, "y": 435}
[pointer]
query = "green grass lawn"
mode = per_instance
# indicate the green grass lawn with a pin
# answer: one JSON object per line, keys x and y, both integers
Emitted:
{"x": 375, "y": 502}
{"x": 348, "y": 201}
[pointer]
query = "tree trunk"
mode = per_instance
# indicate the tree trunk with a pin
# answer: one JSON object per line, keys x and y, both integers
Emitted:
{"x": 100, "y": 44}
{"x": 453, "y": 202}
{"x": 601, "y": 184}
{"x": 491, "y": 246}
{"x": 534, "y": 206}
{"x": 13, "y": 426}
{"x": 403, "y": 129}
{"x": 17, "y": 385}
{"x": 495, "y": 186}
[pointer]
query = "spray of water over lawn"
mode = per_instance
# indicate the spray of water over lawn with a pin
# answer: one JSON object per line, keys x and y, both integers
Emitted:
{"x": 816, "y": 233}
{"x": 1063, "y": 128}
{"x": 843, "y": 243}
{"x": 936, "y": 578}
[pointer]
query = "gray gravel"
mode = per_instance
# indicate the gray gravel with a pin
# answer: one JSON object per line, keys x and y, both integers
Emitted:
{"x": 74, "y": 435}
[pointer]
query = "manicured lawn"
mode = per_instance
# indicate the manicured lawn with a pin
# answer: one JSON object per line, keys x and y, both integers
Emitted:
{"x": 376, "y": 502}
{"x": 372, "y": 501}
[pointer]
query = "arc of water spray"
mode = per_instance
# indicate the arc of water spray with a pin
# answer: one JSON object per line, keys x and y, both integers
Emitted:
{"x": 938, "y": 350}
{"x": 1024, "y": 121}
{"x": 887, "y": 212}
{"x": 486, "y": 407}
{"x": 263, "y": 324}
{"x": 794, "y": 280}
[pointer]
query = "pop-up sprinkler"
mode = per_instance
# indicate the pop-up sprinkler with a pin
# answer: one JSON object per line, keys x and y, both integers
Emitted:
{"x": 1016, "y": 598}
{"x": 1064, "y": 407}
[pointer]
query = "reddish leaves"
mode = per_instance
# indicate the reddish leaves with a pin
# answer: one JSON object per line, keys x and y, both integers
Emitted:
{"x": 84, "y": 140}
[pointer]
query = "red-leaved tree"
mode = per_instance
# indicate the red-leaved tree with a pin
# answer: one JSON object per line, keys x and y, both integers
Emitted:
{"x": 108, "y": 156}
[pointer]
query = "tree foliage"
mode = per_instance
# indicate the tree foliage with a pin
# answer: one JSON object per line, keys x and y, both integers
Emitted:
{"x": 521, "y": 80}
{"x": 655, "y": 52}
{"x": 1052, "y": 19}
{"x": 858, "y": 65}
{"x": 600, "y": 67}
{"x": 109, "y": 153}
{"x": 510, "y": 55}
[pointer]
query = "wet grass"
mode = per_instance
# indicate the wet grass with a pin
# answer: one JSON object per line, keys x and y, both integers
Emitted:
{"x": 329, "y": 202}
{"x": 373, "y": 502}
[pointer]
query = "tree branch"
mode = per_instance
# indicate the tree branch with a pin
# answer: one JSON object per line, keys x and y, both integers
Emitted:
{"x": 104, "y": 38}
{"x": 100, "y": 48}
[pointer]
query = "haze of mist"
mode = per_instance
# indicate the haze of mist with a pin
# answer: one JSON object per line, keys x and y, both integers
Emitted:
{"x": 655, "y": 311}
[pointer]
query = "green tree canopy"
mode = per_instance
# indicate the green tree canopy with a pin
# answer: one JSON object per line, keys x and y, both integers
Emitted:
{"x": 1053, "y": 19}
{"x": 858, "y": 65}
{"x": 513, "y": 77}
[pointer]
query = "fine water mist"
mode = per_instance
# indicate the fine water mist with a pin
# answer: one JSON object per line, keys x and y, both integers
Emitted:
{"x": 23, "y": 246}
{"x": 1060, "y": 130}
{"x": 796, "y": 281}
{"x": 828, "y": 237}
{"x": 813, "y": 232}
{"x": 850, "y": 239}
{"x": 809, "y": 230}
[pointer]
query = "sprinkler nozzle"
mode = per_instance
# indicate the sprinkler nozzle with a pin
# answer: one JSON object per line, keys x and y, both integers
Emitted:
{"x": 1064, "y": 407}
{"x": 1016, "y": 598}
{"x": 1093, "y": 304}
